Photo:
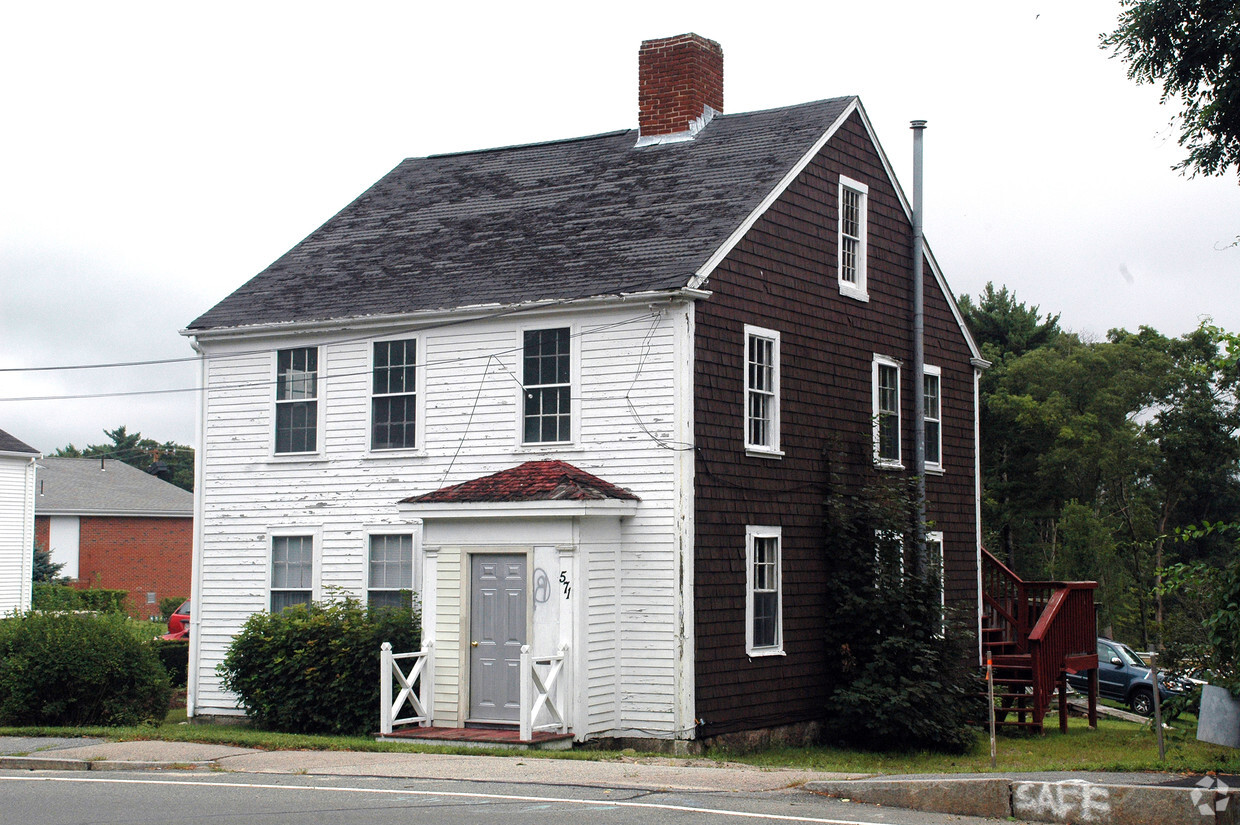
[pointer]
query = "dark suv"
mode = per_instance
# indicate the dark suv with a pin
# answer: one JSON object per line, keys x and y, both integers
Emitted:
{"x": 1124, "y": 677}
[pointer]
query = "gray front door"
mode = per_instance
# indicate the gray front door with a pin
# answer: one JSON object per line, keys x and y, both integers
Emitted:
{"x": 497, "y": 628}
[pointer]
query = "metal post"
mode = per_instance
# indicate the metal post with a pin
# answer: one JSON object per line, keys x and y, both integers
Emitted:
{"x": 385, "y": 688}
{"x": 919, "y": 355}
{"x": 1162, "y": 747}
{"x": 990, "y": 690}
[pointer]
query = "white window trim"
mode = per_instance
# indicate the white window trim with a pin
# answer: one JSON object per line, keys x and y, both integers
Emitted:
{"x": 419, "y": 390}
{"x": 392, "y": 530}
{"x": 752, "y": 532}
{"x": 935, "y": 467}
{"x": 575, "y": 389}
{"x": 320, "y": 397}
{"x": 762, "y": 450}
{"x": 858, "y": 290}
{"x": 897, "y": 462}
{"x": 937, "y": 536}
{"x": 886, "y": 535}
{"x": 315, "y": 532}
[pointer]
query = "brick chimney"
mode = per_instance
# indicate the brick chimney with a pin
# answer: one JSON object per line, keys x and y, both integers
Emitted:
{"x": 679, "y": 87}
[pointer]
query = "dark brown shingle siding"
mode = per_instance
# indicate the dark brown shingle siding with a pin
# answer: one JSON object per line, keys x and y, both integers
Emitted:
{"x": 783, "y": 276}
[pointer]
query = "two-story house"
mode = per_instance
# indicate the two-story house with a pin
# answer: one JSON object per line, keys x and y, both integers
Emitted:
{"x": 584, "y": 396}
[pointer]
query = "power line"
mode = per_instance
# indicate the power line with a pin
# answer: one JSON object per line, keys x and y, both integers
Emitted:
{"x": 416, "y": 327}
{"x": 329, "y": 377}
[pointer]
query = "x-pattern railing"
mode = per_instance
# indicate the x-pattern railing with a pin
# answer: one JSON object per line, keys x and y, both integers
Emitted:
{"x": 538, "y": 691}
{"x": 415, "y": 687}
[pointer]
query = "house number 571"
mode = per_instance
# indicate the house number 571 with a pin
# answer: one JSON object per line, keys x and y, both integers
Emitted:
{"x": 568, "y": 588}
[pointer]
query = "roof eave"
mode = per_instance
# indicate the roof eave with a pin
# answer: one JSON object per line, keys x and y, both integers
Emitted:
{"x": 362, "y": 323}
{"x": 614, "y": 508}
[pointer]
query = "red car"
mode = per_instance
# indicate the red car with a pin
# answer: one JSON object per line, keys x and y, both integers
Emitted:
{"x": 178, "y": 623}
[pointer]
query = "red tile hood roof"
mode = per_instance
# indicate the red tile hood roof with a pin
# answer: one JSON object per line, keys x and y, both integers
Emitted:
{"x": 531, "y": 481}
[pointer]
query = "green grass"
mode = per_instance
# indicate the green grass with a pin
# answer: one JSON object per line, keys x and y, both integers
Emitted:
{"x": 1115, "y": 746}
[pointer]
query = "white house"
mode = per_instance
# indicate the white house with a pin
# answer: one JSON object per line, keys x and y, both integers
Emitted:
{"x": 16, "y": 523}
{"x": 587, "y": 396}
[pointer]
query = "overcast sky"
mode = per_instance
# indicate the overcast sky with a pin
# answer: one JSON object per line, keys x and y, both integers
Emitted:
{"x": 156, "y": 156}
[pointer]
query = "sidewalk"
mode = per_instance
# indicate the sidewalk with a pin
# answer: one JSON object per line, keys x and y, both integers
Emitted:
{"x": 645, "y": 773}
{"x": 1067, "y": 797}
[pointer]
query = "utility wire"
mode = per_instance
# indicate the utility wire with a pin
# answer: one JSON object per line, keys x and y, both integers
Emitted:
{"x": 499, "y": 313}
{"x": 329, "y": 377}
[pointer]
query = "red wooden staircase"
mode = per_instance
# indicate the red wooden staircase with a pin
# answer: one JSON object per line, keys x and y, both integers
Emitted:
{"x": 1034, "y": 633}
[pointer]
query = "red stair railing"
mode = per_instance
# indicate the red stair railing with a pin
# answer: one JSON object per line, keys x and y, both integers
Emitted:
{"x": 1053, "y": 622}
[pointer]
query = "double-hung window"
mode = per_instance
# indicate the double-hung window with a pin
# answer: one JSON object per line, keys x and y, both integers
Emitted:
{"x": 292, "y": 571}
{"x": 390, "y": 580}
{"x": 547, "y": 386}
{"x": 886, "y": 412}
{"x": 764, "y": 631}
{"x": 393, "y": 402}
{"x": 934, "y": 560}
{"x": 297, "y": 406}
{"x": 851, "y": 266}
{"x": 761, "y": 390}
{"x": 932, "y": 383}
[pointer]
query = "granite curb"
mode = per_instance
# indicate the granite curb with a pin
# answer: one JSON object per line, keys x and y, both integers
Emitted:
{"x": 57, "y": 763}
{"x": 1037, "y": 800}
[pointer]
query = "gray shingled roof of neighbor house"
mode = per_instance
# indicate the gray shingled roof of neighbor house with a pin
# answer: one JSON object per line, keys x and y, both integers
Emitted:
{"x": 78, "y": 487}
{"x": 12, "y": 444}
{"x": 594, "y": 216}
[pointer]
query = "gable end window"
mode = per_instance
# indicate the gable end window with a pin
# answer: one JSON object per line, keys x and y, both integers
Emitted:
{"x": 851, "y": 266}
{"x": 547, "y": 386}
{"x": 886, "y": 412}
{"x": 764, "y": 624}
{"x": 932, "y": 382}
{"x": 393, "y": 403}
{"x": 390, "y": 579}
{"x": 761, "y": 391}
{"x": 292, "y": 571}
{"x": 297, "y": 406}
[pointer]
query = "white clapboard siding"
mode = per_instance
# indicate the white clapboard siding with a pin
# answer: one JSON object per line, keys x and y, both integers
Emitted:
{"x": 470, "y": 402}
{"x": 16, "y": 533}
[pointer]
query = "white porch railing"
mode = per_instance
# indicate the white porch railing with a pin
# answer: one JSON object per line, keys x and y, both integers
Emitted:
{"x": 538, "y": 692}
{"x": 420, "y": 698}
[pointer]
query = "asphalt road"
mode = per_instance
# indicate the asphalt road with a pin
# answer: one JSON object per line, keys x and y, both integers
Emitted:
{"x": 49, "y": 798}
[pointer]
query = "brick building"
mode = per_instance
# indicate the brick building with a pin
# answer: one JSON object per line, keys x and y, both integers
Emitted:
{"x": 113, "y": 526}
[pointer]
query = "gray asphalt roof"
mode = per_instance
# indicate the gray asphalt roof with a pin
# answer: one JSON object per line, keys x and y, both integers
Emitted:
{"x": 11, "y": 444}
{"x": 77, "y": 486}
{"x": 576, "y": 218}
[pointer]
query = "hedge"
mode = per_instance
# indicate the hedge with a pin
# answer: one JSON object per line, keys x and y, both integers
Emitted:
{"x": 63, "y": 597}
{"x": 78, "y": 669}
{"x": 315, "y": 668}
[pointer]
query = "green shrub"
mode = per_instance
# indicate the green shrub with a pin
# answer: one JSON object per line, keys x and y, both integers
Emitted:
{"x": 315, "y": 669}
{"x": 78, "y": 669}
{"x": 904, "y": 675}
{"x": 63, "y": 597}
{"x": 174, "y": 656}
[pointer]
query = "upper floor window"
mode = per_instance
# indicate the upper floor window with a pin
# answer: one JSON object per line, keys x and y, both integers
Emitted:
{"x": 297, "y": 407}
{"x": 390, "y": 578}
{"x": 547, "y": 384}
{"x": 292, "y": 571}
{"x": 886, "y": 411}
{"x": 932, "y": 384}
{"x": 763, "y": 593}
{"x": 393, "y": 404}
{"x": 852, "y": 237}
{"x": 761, "y": 390}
